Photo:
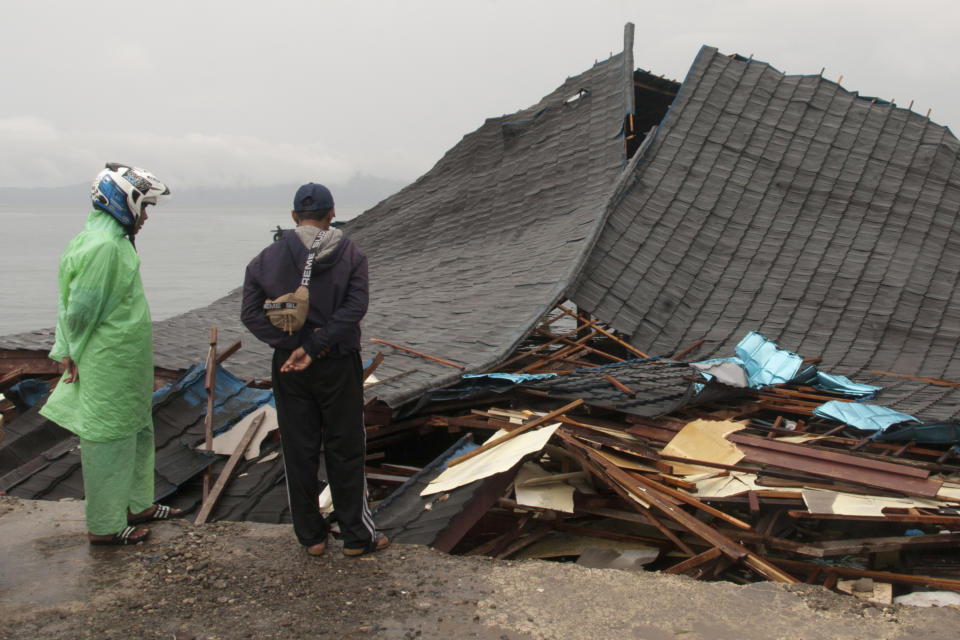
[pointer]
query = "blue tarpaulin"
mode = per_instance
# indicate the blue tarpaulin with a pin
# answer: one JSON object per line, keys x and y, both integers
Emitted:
{"x": 765, "y": 363}
{"x": 233, "y": 399}
{"x": 27, "y": 393}
{"x": 516, "y": 378}
{"x": 936, "y": 433}
{"x": 866, "y": 417}
{"x": 842, "y": 384}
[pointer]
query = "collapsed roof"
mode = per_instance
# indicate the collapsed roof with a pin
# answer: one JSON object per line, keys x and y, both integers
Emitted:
{"x": 790, "y": 206}
{"x": 759, "y": 201}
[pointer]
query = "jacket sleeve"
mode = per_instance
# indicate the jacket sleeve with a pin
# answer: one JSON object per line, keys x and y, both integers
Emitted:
{"x": 345, "y": 320}
{"x": 251, "y": 309}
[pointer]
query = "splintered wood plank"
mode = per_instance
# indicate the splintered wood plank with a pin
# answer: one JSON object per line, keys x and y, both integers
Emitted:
{"x": 689, "y": 349}
{"x": 830, "y": 581}
{"x": 32, "y": 365}
{"x": 564, "y": 355}
{"x": 952, "y": 522}
{"x": 804, "y": 568}
{"x": 754, "y": 501}
{"x": 620, "y": 386}
{"x": 490, "y": 491}
{"x": 935, "y": 381}
{"x": 470, "y": 422}
{"x": 224, "y": 476}
{"x": 839, "y": 470}
{"x": 522, "y": 543}
{"x": 537, "y": 349}
{"x": 489, "y": 444}
{"x": 7, "y": 378}
{"x": 692, "y": 501}
{"x": 840, "y": 458}
{"x": 229, "y": 351}
{"x": 625, "y": 345}
{"x": 695, "y": 562}
{"x": 662, "y": 528}
{"x": 580, "y": 343}
{"x": 417, "y": 353}
{"x": 622, "y": 482}
{"x": 863, "y": 546}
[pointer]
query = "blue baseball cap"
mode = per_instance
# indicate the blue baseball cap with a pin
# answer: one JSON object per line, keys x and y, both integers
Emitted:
{"x": 312, "y": 197}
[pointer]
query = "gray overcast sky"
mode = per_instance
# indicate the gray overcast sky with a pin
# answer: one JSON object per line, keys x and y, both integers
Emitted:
{"x": 255, "y": 93}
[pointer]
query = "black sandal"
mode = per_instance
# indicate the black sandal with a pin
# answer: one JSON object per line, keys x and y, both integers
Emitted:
{"x": 379, "y": 543}
{"x": 123, "y": 538}
{"x": 160, "y": 512}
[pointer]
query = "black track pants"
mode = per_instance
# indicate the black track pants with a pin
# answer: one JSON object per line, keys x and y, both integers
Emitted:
{"x": 323, "y": 405}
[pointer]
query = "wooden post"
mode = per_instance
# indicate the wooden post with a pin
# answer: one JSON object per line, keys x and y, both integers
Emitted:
{"x": 209, "y": 501}
{"x": 210, "y": 383}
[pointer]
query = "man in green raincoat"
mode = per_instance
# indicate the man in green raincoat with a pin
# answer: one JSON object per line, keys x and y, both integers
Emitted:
{"x": 104, "y": 339}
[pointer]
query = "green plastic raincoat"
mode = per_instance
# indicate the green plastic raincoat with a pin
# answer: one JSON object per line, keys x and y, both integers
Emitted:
{"x": 103, "y": 324}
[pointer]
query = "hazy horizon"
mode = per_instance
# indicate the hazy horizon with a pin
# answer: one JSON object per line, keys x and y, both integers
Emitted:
{"x": 232, "y": 94}
{"x": 357, "y": 194}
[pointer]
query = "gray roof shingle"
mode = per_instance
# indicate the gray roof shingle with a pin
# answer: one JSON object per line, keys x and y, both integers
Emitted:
{"x": 763, "y": 201}
{"x": 464, "y": 261}
{"x": 790, "y": 206}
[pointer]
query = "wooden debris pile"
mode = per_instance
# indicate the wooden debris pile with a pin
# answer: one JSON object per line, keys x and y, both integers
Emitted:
{"x": 627, "y": 461}
{"x": 750, "y": 486}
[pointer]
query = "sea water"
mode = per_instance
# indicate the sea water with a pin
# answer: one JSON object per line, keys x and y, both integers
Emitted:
{"x": 189, "y": 257}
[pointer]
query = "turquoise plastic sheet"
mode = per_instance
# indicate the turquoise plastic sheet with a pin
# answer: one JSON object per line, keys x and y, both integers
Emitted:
{"x": 842, "y": 384}
{"x": 765, "y": 363}
{"x": 866, "y": 417}
{"x": 516, "y": 378}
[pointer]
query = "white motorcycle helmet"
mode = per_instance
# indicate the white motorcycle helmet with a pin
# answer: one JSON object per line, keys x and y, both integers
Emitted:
{"x": 123, "y": 191}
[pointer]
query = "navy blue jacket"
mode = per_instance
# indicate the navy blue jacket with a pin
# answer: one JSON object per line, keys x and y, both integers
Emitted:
{"x": 339, "y": 294}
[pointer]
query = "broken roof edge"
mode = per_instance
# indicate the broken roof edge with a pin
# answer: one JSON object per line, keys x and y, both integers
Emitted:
{"x": 875, "y": 101}
{"x": 705, "y": 55}
{"x": 411, "y": 397}
{"x": 625, "y": 182}
{"x": 372, "y": 214}
{"x": 567, "y": 284}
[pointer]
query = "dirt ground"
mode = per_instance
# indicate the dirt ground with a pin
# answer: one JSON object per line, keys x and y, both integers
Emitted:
{"x": 245, "y": 580}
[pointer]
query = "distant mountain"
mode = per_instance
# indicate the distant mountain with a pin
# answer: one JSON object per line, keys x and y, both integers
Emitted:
{"x": 358, "y": 194}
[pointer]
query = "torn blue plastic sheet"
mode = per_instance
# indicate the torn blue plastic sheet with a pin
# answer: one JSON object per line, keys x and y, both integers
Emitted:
{"x": 938, "y": 433}
{"x": 515, "y": 378}
{"x": 842, "y": 384}
{"x": 866, "y": 417}
{"x": 233, "y": 399}
{"x": 27, "y": 393}
{"x": 765, "y": 363}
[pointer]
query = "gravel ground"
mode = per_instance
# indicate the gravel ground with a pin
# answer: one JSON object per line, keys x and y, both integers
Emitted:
{"x": 244, "y": 580}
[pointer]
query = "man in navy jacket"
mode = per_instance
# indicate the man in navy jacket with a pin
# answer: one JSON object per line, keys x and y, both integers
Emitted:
{"x": 317, "y": 373}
